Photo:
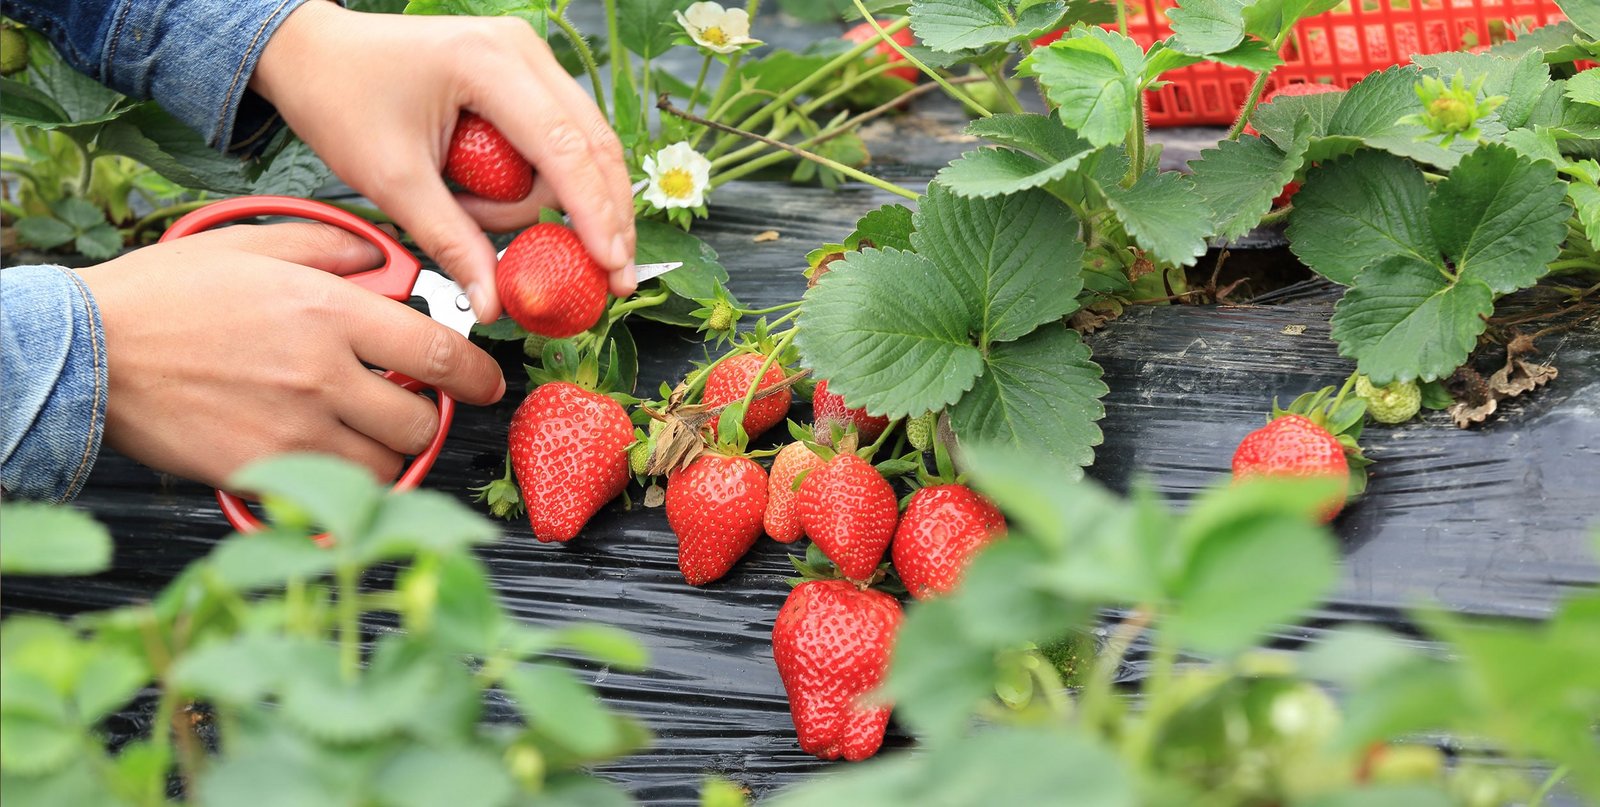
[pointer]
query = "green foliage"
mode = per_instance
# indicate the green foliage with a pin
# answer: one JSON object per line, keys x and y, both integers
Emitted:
{"x": 266, "y": 631}
{"x": 955, "y": 25}
{"x": 1233, "y": 725}
{"x": 964, "y": 322}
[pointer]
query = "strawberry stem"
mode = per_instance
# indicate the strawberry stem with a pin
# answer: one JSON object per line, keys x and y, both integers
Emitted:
{"x": 883, "y": 35}
{"x": 1349, "y": 384}
{"x": 761, "y": 372}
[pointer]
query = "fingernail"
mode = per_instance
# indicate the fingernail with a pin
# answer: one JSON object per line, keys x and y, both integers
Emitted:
{"x": 619, "y": 253}
{"x": 500, "y": 393}
{"x": 476, "y": 295}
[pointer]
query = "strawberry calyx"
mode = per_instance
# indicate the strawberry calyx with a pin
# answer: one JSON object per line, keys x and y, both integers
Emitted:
{"x": 501, "y": 495}
{"x": 817, "y": 566}
{"x": 576, "y": 362}
{"x": 1343, "y": 415}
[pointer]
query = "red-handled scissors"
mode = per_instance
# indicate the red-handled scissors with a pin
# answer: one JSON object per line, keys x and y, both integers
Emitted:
{"x": 399, "y": 278}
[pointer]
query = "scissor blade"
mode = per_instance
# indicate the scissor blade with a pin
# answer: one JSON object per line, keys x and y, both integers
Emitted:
{"x": 447, "y": 303}
{"x": 650, "y": 271}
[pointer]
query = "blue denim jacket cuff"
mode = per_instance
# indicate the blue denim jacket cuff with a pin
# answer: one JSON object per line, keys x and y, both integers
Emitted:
{"x": 53, "y": 382}
{"x": 196, "y": 58}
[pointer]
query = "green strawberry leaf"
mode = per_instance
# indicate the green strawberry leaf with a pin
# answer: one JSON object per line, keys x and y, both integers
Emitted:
{"x": 1358, "y": 211}
{"x": 647, "y": 27}
{"x": 888, "y": 227}
{"x": 952, "y": 25}
{"x": 900, "y": 333}
{"x": 1204, "y": 27}
{"x": 1162, "y": 58}
{"x": 1584, "y": 14}
{"x": 1278, "y": 120}
{"x": 1013, "y": 258}
{"x": 44, "y": 232}
{"x": 1404, "y": 319}
{"x": 1500, "y": 217}
{"x": 1042, "y": 136}
{"x": 1252, "y": 54}
{"x": 1039, "y": 393}
{"x": 1370, "y": 111}
{"x": 1165, "y": 215}
{"x": 997, "y": 172}
{"x": 419, "y": 776}
{"x": 99, "y": 242}
{"x": 1240, "y": 178}
{"x": 1584, "y": 88}
{"x": 47, "y": 540}
{"x": 889, "y": 330}
{"x": 701, "y": 274}
{"x": 1268, "y": 18}
{"x": 1093, "y": 82}
{"x": 1585, "y": 197}
{"x": 1558, "y": 42}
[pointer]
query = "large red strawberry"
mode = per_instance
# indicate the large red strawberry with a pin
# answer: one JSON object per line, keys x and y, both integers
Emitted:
{"x": 828, "y": 410}
{"x": 714, "y": 506}
{"x": 730, "y": 379}
{"x": 864, "y": 32}
{"x": 549, "y": 284}
{"x": 940, "y": 531}
{"x": 849, "y": 510}
{"x": 569, "y": 449}
{"x": 832, "y": 642}
{"x": 484, "y": 162}
{"x": 782, "y": 519}
{"x": 1294, "y": 445}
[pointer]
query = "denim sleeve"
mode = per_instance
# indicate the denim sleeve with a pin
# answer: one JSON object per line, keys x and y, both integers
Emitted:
{"x": 52, "y": 383}
{"x": 194, "y": 57}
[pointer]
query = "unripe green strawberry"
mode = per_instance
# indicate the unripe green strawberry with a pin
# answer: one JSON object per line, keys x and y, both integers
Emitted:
{"x": 1395, "y": 403}
{"x": 721, "y": 316}
{"x": 13, "y": 52}
{"x": 639, "y": 457}
{"x": 919, "y": 431}
{"x": 533, "y": 345}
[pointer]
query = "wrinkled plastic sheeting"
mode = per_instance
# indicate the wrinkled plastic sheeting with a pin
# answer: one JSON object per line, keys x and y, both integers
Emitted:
{"x": 1491, "y": 521}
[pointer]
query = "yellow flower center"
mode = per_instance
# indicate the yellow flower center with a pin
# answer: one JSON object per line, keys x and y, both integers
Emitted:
{"x": 714, "y": 36}
{"x": 677, "y": 183}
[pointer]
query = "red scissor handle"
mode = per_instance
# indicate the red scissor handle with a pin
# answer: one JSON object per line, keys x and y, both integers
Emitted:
{"x": 394, "y": 279}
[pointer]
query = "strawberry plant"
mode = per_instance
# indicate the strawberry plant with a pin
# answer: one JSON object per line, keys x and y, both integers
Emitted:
{"x": 271, "y": 685}
{"x": 1223, "y": 720}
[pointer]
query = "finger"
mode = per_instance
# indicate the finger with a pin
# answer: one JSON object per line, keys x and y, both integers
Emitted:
{"x": 397, "y": 337}
{"x": 383, "y": 462}
{"x": 402, "y": 421}
{"x": 604, "y": 145}
{"x": 505, "y": 217}
{"x": 415, "y": 196}
{"x": 559, "y": 146}
{"x": 308, "y": 243}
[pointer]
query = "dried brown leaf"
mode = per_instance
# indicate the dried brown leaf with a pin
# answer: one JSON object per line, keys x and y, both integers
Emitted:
{"x": 765, "y": 236}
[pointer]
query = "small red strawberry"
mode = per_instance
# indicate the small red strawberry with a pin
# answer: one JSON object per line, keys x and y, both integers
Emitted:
{"x": 864, "y": 32}
{"x": 549, "y": 284}
{"x": 832, "y": 642}
{"x": 849, "y": 510}
{"x": 484, "y": 162}
{"x": 782, "y": 519}
{"x": 569, "y": 448}
{"x": 828, "y": 410}
{"x": 942, "y": 528}
{"x": 714, "y": 506}
{"x": 1293, "y": 445}
{"x": 730, "y": 379}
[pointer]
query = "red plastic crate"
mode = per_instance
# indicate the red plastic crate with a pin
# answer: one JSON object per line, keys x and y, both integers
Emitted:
{"x": 1339, "y": 47}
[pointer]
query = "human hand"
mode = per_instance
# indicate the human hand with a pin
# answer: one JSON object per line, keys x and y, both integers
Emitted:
{"x": 377, "y": 97}
{"x": 235, "y": 344}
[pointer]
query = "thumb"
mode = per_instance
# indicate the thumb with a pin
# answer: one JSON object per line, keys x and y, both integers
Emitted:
{"x": 422, "y": 205}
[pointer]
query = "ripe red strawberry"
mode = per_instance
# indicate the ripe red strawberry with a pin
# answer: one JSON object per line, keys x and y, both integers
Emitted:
{"x": 942, "y": 528}
{"x": 849, "y": 510}
{"x": 1293, "y": 445}
{"x": 549, "y": 284}
{"x": 569, "y": 448}
{"x": 828, "y": 410}
{"x": 864, "y": 32}
{"x": 832, "y": 643}
{"x": 730, "y": 380}
{"x": 782, "y": 519}
{"x": 484, "y": 162}
{"x": 714, "y": 506}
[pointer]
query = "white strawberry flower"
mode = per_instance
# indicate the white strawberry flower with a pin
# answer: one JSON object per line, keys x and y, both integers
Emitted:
{"x": 717, "y": 29}
{"x": 679, "y": 177}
